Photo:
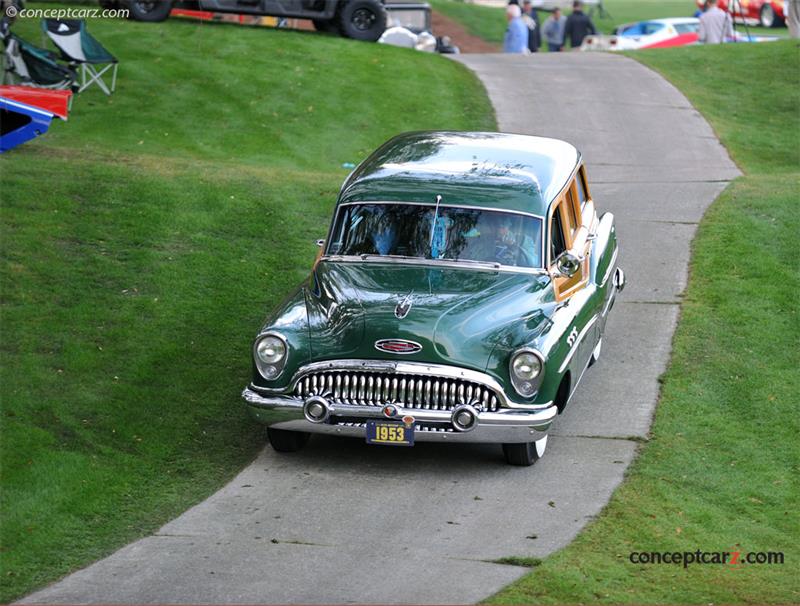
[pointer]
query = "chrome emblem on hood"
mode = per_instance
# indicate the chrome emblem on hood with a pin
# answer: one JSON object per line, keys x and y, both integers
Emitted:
{"x": 398, "y": 346}
{"x": 402, "y": 309}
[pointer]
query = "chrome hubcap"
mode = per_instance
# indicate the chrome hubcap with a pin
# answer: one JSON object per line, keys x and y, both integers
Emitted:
{"x": 767, "y": 16}
{"x": 363, "y": 19}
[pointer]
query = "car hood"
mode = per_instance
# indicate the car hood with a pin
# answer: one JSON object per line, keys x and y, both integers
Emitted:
{"x": 458, "y": 316}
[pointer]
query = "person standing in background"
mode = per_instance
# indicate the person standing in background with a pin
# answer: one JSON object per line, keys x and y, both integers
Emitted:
{"x": 553, "y": 30}
{"x": 578, "y": 25}
{"x": 516, "y": 40}
{"x": 715, "y": 25}
{"x": 531, "y": 18}
{"x": 793, "y": 17}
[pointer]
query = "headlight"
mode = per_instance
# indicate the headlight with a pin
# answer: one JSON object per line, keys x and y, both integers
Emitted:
{"x": 270, "y": 355}
{"x": 527, "y": 366}
{"x": 270, "y": 350}
{"x": 527, "y": 372}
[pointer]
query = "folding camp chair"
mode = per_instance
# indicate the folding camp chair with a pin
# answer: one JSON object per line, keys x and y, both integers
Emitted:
{"x": 79, "y": 48}
{"x": 25, "y": 63}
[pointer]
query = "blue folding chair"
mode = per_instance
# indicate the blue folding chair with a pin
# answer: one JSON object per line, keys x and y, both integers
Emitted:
{"x": 80, "y": 49}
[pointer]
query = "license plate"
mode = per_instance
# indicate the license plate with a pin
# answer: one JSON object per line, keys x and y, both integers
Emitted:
{"x": 389, "y": 434}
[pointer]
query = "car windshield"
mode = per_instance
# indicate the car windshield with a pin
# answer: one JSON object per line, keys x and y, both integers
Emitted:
{"x": 449, "y": 233}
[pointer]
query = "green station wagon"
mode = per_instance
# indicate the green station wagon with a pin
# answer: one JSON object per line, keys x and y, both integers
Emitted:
{"x": 460, "y": 295}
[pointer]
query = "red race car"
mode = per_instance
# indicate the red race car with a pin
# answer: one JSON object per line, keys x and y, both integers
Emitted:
{"x": 767, "y": 13}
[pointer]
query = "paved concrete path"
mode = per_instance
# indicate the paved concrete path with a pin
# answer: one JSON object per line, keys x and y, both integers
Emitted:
{"x": 345, "y": 523}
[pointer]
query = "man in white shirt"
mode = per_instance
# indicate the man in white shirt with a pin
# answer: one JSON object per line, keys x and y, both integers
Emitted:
{"x": 715, "y": 25}
{"x": 793, "y": 17}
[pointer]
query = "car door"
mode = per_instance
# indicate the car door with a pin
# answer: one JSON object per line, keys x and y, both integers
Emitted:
{"x": 570, "y": 222}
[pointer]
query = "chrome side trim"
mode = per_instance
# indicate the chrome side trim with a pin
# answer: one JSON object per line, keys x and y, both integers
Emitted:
{"x": 575, "y": 387}
{"x": 611, "y": 266}
{"x": 578, "y": 341}
{"x": 614, "y": 292}
{"x": 611, "y": 298}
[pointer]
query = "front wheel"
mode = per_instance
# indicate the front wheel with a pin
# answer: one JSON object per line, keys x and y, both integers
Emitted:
{"x": 526, "y": 453}
{"x": 152, "y": 12}
{"x": 362, "y": 20}
{"x": 767, "y": 15}
{"x": 287, "y": 441}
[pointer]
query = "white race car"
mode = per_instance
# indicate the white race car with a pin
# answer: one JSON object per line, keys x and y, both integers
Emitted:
{"x": 654, "y": 33}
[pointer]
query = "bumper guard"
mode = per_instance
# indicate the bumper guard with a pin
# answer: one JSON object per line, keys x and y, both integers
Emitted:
{"x": 502, "y": 426}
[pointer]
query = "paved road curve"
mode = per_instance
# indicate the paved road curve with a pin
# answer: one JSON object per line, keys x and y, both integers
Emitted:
{"x": 342, "y": 522}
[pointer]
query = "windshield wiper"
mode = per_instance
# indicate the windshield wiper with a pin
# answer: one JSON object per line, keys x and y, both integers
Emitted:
{"x": 491, "y": 264}
{"x": 365, "y": 256}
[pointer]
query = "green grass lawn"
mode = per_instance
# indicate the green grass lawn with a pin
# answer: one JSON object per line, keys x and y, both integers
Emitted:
{"x": 489, "y": 22}
{"x": 142, "y": 243}
{"x": 720, "y": 471}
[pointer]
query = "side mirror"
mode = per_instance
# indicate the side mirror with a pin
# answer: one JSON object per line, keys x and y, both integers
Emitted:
{"x": 320, "y": 242}
{"x": 567, "y": 264}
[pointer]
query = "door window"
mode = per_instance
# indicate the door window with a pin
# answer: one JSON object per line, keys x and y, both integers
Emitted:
{"x": 565, "y": 221}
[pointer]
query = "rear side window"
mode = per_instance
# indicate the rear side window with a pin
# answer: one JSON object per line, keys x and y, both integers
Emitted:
{"x": 572, "y": 216}
{"x": 581, "y": 190}
{"x": 558, "y": 243}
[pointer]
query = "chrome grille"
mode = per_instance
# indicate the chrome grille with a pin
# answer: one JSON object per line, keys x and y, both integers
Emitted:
{"x": 407, "y": 390}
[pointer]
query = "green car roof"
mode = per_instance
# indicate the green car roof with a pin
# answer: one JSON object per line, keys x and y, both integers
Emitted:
{"x": 509, "y": 172}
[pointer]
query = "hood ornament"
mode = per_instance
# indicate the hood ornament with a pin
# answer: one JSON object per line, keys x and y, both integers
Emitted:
{"x": 398, "y": 346}
{"x": 402, "y": 309}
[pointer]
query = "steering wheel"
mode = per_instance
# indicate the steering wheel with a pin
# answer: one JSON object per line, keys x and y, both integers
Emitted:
{"x": 507, "y": 254}
{"x": 514, "y": 254}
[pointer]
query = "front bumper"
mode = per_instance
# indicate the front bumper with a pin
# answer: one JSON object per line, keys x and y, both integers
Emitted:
{"x": 504, "y": 426}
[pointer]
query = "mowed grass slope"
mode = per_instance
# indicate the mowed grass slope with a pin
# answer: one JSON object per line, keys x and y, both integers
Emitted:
{"x": 720, "y": 471}
{"x": 142, "y": 244}
{"x": 259, "y": 95}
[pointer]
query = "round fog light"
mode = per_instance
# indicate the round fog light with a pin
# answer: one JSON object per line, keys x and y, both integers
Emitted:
{"x": 465, "y": 418}
{"x": 316, "y": 409}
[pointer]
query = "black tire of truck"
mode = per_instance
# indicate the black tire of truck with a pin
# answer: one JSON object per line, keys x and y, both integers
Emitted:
{"x": 152, "y": 12}
{"x": 327, "y": 26}
{"x": 362, "y": 20}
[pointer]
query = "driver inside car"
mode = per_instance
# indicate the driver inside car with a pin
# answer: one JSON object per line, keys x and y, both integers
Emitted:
{"x": 500, "y": 239}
